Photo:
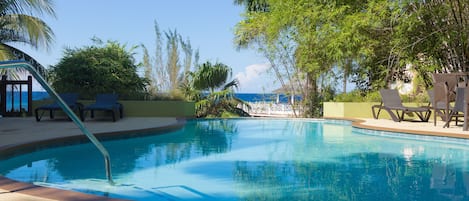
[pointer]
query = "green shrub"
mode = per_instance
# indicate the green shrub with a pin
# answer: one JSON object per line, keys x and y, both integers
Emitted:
{"x": 357, "y": 96}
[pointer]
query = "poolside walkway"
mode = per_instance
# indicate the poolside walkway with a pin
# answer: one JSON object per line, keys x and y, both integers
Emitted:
{"x": 20, "y": 132}
{"x": 15, "y": 131}
{"x": 414, "y": 127}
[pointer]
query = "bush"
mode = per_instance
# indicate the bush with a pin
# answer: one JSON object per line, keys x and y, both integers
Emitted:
{"x": 98, "y": 69}
{"x": 357, "y": 96}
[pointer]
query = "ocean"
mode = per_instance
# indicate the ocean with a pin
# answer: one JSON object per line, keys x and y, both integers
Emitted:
{"x": 261, "y": 97}
{"x": 248, "y": 97}
{"x": 36, "y": 95}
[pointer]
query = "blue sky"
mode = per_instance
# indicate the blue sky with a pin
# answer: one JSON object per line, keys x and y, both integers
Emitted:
{"x": 209, "y": 25}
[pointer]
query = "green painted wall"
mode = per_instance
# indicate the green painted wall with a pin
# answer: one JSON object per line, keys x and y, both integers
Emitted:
{"x": 159, "y": 108}
{"x": 149, "y": 108}
{"x": 354, "y": 109}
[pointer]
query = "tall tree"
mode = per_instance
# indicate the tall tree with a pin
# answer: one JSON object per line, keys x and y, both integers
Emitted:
{"x": 171, "y": 67}
{"x": 148, "y": 72}
{"x": 253, "y": 5}
{"x": 434, "y": 35}
{"x": 326, "y": 35}
{"x": 307, "y": 34}
{"x": 187, "y": 50}
{"x": 162, "y": 78}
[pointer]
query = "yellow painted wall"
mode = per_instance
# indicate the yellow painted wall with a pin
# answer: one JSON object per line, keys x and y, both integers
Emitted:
{"x": 355, "y": 109}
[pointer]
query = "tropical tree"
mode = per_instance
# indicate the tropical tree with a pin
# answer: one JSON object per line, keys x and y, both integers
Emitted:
{"x": 253, "y": 5}
{"x": 20, "y": 23}
{"x": 169, "y": 69}
{"x": 298, "y": 38}
{"x": 319, "y": 38}
{"x": 213, "y": 93}
{"x": 100, "y": 68}
{"x": 434, "y": 36}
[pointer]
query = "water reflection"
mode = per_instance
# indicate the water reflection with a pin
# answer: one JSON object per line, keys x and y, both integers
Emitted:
{"x": 263, "y": 160}
{"x": 197, "y": 139}
{"x": 362, "y": 176}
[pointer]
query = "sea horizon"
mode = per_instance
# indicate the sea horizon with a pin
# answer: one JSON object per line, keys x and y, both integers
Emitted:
{"x": 247, "y": 97}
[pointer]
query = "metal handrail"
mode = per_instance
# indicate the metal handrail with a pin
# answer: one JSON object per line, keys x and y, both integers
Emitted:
{"x": 64, "y": 106}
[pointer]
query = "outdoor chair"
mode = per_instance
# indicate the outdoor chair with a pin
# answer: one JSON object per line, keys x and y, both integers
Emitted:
{"x": 458, "y": 109}
{"x": 452, "y": 81}
{"x": 69, "y": 98}
{"x": 440, "y": 101}
{"x": 106, "y": 103}
{"x": 392, "y": 103}
{"x": 466, "y": 109}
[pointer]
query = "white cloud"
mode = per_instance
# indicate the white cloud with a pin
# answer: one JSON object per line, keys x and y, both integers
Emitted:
{"x": 251, "y": 72}
{"x": 254, "y": 78}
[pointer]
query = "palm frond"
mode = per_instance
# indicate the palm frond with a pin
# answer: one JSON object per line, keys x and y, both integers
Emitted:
{"x": 29, "y": 7}
{"x": 26, "y": 29}
{"x": 233, "y": 84}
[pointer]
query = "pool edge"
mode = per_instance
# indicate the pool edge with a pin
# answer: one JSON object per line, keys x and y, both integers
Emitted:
{"x": 360, "y": 123}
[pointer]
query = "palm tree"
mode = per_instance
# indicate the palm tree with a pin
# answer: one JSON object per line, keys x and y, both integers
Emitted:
{"x": 216, "y": 96}
{"x": 18, "y": 25}
{"x": 211, "y": 77}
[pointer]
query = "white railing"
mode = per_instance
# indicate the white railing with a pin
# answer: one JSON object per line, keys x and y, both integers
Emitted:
{"x": 271, "y": 109}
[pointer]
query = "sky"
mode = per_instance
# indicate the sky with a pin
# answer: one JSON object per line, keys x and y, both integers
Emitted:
{"x": 208, "y": 24}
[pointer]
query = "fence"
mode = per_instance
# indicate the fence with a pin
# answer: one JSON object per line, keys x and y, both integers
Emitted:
{"x": 12, "y": 97}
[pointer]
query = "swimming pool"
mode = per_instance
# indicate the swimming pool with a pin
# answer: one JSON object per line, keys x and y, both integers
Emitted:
{"x": 258, "y": 159}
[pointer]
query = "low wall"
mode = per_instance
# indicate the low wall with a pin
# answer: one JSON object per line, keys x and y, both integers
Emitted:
{"x": 159, "y": 108}
{"x": 356, "y": 109}
{"x": 148, "y": 108}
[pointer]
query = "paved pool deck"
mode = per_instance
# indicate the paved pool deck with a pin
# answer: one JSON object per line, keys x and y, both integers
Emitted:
{"x": 20, "y": 134}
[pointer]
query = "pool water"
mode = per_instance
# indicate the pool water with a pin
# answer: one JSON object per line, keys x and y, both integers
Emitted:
{"x": 258, "y": 159}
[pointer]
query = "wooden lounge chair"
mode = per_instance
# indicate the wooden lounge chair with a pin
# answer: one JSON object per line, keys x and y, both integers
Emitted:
{"x": 69, "y": 98}
{"x": 392, "y": 103}
{"x": 104, "y": 102}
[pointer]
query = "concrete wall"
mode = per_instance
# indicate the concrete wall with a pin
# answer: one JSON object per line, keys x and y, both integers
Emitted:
{"x": 149, "y": 108}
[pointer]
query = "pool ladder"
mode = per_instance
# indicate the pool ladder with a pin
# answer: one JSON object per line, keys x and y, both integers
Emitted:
{"x": 68, "y": 111}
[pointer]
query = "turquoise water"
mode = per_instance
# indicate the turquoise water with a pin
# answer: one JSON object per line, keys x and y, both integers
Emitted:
{"x": 258, "y": 159}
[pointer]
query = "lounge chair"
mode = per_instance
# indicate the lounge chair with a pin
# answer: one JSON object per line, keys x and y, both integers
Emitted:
{"x": 104, "y": 102}
{"x": 392, "y": 103}
{"x": 69, "y": 98}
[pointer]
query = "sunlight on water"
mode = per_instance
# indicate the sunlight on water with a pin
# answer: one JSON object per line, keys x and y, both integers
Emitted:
{"x": 258, "y": 159}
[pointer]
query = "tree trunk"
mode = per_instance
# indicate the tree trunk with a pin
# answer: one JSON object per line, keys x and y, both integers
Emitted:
{"x": 312, "y": 104}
